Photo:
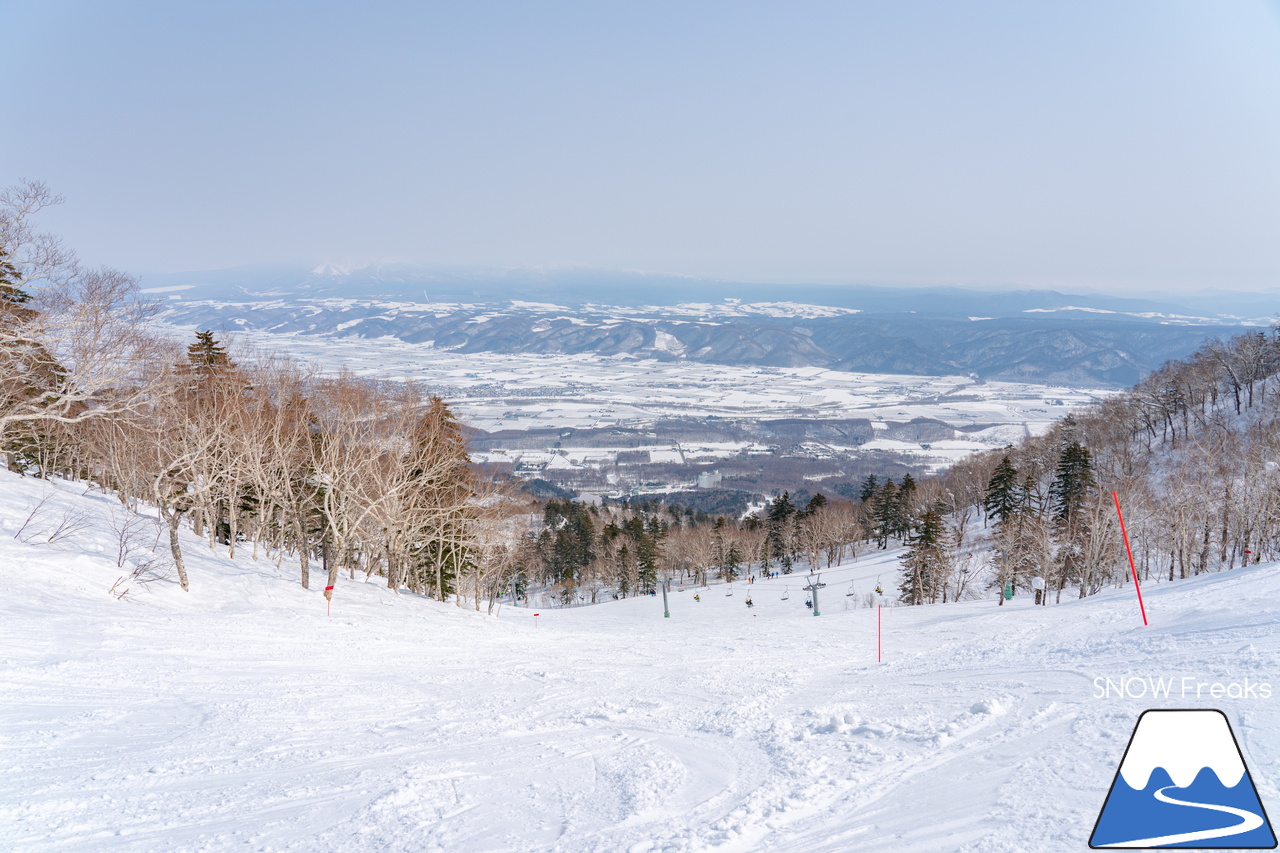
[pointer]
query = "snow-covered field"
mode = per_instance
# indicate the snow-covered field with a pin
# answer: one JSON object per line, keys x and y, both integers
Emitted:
{"x": 240, "y": 716}
{"x": 493, "y": 391}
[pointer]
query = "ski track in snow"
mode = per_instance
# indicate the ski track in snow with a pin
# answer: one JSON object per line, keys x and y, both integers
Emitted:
{"x": 239, "y": 716}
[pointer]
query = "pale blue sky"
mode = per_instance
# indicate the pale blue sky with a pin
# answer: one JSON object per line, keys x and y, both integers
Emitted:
{"x": 1126, "y": 145}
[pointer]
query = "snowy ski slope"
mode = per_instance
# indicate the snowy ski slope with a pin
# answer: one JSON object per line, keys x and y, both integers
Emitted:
{"x": 240, "y": 717}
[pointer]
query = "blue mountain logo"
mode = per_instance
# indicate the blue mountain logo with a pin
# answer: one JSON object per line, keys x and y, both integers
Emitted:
{"x": 1183, "y": 783}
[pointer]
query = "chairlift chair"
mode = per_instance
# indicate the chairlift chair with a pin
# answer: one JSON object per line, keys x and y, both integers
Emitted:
{"x": 785, "y": 596}
{"x": 851, "y": 591}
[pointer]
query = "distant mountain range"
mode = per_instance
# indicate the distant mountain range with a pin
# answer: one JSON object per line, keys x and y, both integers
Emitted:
{"x": 1076, "y": 339}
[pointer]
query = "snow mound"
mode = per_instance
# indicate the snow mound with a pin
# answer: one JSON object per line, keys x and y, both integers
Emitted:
{"x": 987, "y": 706}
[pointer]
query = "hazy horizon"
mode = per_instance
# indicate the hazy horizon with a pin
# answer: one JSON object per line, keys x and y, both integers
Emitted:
{"x": 488, "y": 272}
{"x": 1092, "y": 147}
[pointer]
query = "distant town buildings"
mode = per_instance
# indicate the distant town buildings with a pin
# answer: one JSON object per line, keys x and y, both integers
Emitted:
{"x": 709, "y": 480}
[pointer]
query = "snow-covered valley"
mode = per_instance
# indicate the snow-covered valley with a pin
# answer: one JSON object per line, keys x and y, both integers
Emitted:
{"x": 622, "y": 425}
{"x": 494, "y": 391}
{"x": 242, "y": 716}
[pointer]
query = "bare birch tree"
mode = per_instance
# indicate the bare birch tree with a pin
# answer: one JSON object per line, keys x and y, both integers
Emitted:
{"x": 75, "y": 343}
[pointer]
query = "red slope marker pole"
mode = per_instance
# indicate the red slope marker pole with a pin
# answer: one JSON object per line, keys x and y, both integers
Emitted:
{"x": 1129, "y": 551}
{"x": 328, "y": 597}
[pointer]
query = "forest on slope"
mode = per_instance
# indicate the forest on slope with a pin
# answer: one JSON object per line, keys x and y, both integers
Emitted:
{"x": 1191, "y": 454}
{"x": 254, "y": 451}
{"x": 257, "y": 452}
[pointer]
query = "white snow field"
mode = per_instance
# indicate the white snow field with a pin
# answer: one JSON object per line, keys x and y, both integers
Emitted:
{"x": 239, "y": 716}
{"x": 495, "y": 391}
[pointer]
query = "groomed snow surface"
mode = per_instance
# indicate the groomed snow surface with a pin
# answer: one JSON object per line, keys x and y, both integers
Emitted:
{"x": 239, "y": 716}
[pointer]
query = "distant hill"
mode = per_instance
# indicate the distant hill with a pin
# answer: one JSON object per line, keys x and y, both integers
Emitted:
{"x": 574, "y": 286}
{"x": 1093, "y": 350}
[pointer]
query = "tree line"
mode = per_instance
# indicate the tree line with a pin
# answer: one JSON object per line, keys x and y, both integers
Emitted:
{"x": 1192, "y": 453}
{"x": 584, "y": 551}
{"x": 256, "y": 452}
{"x": 253, "y": 451}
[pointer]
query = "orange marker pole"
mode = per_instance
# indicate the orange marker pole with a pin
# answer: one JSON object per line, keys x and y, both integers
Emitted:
{"x": 1129, "y": 551}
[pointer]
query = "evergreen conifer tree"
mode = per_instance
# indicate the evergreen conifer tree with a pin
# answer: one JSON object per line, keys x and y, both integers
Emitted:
{"x": 13, "y": 299}
{"x": 781, "y": 512}
{"x": 28, "y": 371}
{"x": 869, "y": 488}
{"x": 718, "y": 552}
{"x": 627, "y": 580}
{"x": 885, "y": 512}
{"x": 732, "y": 564}
{"x": 903, "y": 514}
{"x": 207, "y": 355}
{"x": 907, "y": 487}
{"x": 1071, "y": 482}
{"x": 782, "y": 507}
{"x": 815, "y": 503}
{"x": 924, "y": 566}
{"x": 647, "y": 561}
{"x": 444, "y": 484}
{"x": 1070, "y": 490}
{"x": 1002, "y": 490}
